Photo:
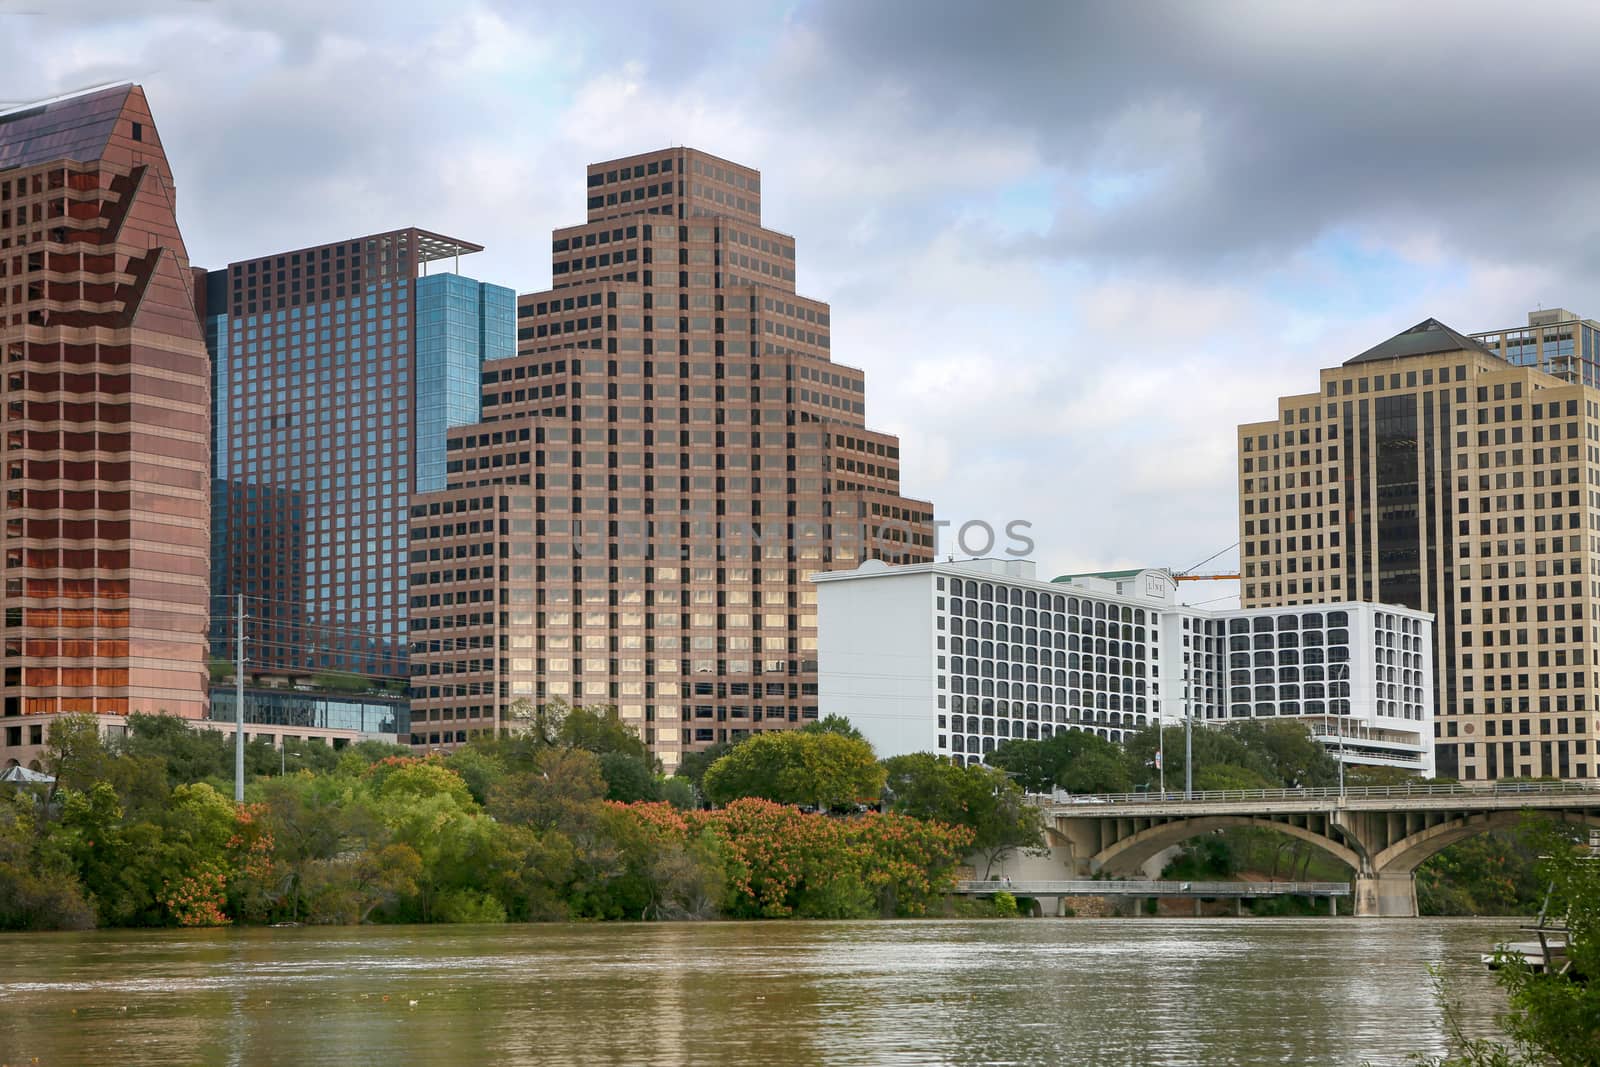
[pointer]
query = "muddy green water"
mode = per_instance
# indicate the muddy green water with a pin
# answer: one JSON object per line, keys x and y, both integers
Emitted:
{"x": 1215, "y": 991}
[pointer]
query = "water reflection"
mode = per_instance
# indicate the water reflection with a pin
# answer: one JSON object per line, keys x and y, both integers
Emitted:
{"x": 772, "y": 994}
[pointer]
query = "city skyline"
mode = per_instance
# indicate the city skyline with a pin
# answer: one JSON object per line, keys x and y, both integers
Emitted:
{"x": 985, "y": 255}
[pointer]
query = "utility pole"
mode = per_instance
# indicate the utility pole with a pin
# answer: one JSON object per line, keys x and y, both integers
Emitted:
{"x": 1188, "y": 740}
{"x": 1161, "y": 744}
{"x": 238, "y": 706}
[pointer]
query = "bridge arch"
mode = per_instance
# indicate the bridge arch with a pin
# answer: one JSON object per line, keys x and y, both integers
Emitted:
{"x": 1136, "y": 849}
{"x": 1408, "y": 853}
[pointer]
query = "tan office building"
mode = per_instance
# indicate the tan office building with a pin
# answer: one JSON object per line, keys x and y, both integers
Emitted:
{"x": 667, "y": 458}
{"x": 1431, "y": 473}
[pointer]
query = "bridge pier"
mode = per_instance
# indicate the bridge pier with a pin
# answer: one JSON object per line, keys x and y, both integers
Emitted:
{"x": 1385, "y": 895}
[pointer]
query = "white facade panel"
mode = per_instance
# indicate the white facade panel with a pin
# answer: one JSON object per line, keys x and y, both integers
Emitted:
{"x": 877, "y": 638}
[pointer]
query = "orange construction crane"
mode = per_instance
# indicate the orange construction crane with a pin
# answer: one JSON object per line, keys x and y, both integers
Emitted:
{"x": 1212, "y": 577}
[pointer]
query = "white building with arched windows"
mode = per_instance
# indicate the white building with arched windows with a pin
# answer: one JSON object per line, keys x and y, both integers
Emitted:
{"x": 956, "y": 658}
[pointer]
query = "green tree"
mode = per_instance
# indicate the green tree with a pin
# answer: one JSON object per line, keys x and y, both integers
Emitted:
{"x": 1096, "y": 769}
{"x": 678, "y": 792}
{"x": 1489, "y": 874}
{"x": 187, "y": 754}
{"x": 1076, "y": 760}
{"x": 820, "y": 770}
{"x": 91, "y": 833}
{"x": 562, "y": 792}
{"x": 600, "y": 730}
{"x": 834, "y": 724}
{"x": 479, "y": 767}
{"x": 693, "y": 765}
{"x": 1230, "y": 776}
{"x": 39, "y": 889}
{"x": 74, "y": 754}
{"x": 983, "y": 799}
{"x": 1293, "y": 756}
{"x": 628, "y": 778}
{"x": 1276, "y": 755}
{"x": 1551, "y": 1018}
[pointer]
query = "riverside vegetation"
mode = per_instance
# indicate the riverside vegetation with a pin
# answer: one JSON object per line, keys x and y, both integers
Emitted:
{"x": 567, "y": 817}
{"x": 1550, "y": 1019}
{"x": 564, "y": 820}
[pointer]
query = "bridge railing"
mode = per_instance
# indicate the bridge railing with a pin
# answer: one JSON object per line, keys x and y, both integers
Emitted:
{"x": 1359, "y": 792}
{"x": 1141, "y": 888}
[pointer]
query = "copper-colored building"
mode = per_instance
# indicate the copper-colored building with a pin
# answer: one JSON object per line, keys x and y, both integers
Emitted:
{"x": 1429, "y": 472}
{"x": 106, "y": 422}
{"x": 669, "y": 454}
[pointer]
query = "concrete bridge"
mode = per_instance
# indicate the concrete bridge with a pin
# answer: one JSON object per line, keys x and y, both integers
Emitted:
{"x": 1381, "y": 832}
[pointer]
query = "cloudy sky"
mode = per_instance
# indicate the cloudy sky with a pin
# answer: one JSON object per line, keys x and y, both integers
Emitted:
{"x": 1072, "y": 245}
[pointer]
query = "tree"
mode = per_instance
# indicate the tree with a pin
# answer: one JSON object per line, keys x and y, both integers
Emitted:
{"x": 39, "y": 889}
{"x": 1488, "y": 874}
{"x": 478, "y": 767}
{"x": 983, "y": 799}
{"x": 1552, "y": 1018}
{"x": 1096, "y": 769}
{"x": 1294, "y": 758}
{"x": 186, "y": 754}
{"x": 1275, "y": 755}
{"x": 562, "y": 792}
{"x": 693, "y": 765}
{"x": 628, "y": 778}
{"x": 538, "y": 723}
{"x": 74, "y": 754}
{"x": 600, "y": 730}
{"x": 1076, "y": 760}
{"x": 833, "y": 724}
{"x": 678, "y": 792}
{"x": 820, "y": 770}
{"x": 925, "y": 786}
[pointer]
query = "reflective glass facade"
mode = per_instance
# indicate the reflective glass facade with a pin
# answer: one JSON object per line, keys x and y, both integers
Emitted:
{"x": 367, "y": 714}
{"x": 460, "y": 323}
{"x": 328, "y": 361}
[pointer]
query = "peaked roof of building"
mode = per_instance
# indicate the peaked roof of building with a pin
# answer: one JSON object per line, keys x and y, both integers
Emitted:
{"x": 70, "y": 127}
{"x": 1425, "y": 338}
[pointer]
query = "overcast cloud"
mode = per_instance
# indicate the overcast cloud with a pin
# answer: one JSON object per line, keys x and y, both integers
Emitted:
{"x": 1071, "y": 245}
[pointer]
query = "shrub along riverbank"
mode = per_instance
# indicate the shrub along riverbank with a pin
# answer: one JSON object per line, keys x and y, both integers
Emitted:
{"x": 548, "y": 825}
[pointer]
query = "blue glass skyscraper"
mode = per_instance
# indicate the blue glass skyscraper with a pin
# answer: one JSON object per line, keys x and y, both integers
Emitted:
{"x": 336, "y": 371}
{"x": 460, "y": 323}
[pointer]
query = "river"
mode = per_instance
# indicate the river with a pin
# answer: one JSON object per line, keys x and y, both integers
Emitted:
{"x": 1073, "y": 991}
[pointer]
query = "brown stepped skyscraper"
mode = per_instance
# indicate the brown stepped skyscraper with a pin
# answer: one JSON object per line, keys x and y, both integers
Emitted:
{"x": 668, "y": 456}
{"x": 106, "y": 446}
